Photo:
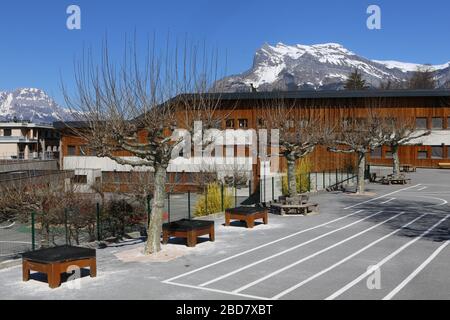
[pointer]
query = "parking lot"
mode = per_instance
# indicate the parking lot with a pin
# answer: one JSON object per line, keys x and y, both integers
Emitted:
{"x": 393, "y": 244}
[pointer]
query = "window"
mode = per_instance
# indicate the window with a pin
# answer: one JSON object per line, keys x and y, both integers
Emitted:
{"x": 243, "y": 123}
{"x": 376, "y": 153}
{"x": 422, "y": 154}
{"x": 229, "y": 123}
{"x": 448, "y": 123}
{"x": 437, "y": 123}
{"x": 421, "y": 123}
{"x": 80, "y": 179}
{"x": 71, "y": 150}
{"x": 262, "y": 122}
{"x": 291, "y": 123}
{"x": 7, "y": 132}
{"x": 448, "y": 152}
{"x": 437, "y": 152}
{"x": 388, "y": 154}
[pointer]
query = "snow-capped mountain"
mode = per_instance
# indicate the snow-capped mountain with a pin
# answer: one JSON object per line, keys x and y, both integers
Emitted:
{"x": 31, "y": 104}
{"x": 321, "y": 66}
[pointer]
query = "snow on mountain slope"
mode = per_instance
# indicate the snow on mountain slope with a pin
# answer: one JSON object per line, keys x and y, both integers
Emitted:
{"x": 321, "y": 66}
{"x": 31, "y": 104}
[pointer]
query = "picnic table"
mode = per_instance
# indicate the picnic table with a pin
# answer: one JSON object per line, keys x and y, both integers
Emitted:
{"x": 408, "y": 168}
{"x": 395, "y": 179}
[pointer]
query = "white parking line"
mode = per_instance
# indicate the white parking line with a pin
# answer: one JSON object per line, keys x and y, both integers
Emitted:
{"x": 313, "y": 255}
{"x": 381, "y": 197}
{"x": 216, "y": 290}
{"x": 421, "y": 189}
{"x": 285, "y": 251}
{"x": 386, "y": 259}
{"x": 315, "y": 276}
{"x": 260, "y": 247}
{"x": 416, "y": 272}
{"x": 391, "y": 199}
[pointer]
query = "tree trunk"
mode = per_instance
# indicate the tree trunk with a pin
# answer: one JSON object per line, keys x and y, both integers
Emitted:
{"x": 361, "y": 172}
{"x": 396, "y": 160}
{"x": 153, "y": 244}
{"x": 292, "y": 181}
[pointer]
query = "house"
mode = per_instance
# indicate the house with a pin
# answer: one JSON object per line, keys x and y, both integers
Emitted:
{"x": 430, "y": 108}
{"x": 24, "y": 140}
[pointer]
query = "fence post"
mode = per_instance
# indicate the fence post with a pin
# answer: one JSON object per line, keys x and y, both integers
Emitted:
{"x": 206, "y": 200}
{"x": 323, "y": 178}
{"x": 337, "y": 179}
{"x": 309, "y": 181}
{"x": 221, "y": 192}
{"x": 98, "y": 223}
{"x": 249, "y": 188}
{"x": 33, "y": 231}
{"x": 273, "y": 189}
{"x": 168, "y": 205}
{"x": 235, "y": 195}
{"x": 66, "y": 226}
{"x": 189, "y": 204}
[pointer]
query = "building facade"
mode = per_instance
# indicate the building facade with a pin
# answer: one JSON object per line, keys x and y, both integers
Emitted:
{"x": 242, "y": 113}
{"x": 22, "y": 140}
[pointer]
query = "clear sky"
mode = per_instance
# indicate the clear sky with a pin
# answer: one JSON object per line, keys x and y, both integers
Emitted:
{"x": 36, "y": 47}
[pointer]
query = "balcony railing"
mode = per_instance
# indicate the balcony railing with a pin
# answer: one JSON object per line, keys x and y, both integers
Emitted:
{"x": 18, "y": 139}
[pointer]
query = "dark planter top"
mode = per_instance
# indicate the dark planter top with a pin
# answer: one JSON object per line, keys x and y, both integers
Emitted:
{"x": 59, "y": 254}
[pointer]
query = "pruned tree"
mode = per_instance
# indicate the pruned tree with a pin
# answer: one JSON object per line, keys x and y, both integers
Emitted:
{"x": 399, "y": 132}
{"x": 423, "y": 78}
{"x": 299, "y": 129}
{"x": 130, "y": 110}
{"x": 355, "y": 81}
{"x": 359, "y": 135}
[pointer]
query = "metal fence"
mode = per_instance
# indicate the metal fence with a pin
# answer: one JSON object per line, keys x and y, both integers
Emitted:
{"x": 115, "y": 219}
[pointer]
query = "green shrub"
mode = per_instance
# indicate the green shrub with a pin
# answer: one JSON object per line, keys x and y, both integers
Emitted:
{"x": 214, "y": 199}
{"x": 302, "y": 173}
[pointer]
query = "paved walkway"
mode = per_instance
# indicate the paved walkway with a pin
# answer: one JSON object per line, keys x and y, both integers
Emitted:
{"x": 392, "y": 245}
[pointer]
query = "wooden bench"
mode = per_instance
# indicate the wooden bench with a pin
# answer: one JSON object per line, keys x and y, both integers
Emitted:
{"x": 247, "y": 214}
{"x": 54, "y": 261}
{"x": 444, "y": 165}
{"x": 188, "y": 229}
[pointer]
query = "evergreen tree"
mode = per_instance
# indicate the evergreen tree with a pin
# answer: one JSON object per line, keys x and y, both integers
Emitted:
{"x": 356, "y": 82}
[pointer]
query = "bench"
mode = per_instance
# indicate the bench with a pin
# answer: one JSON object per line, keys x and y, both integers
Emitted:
{"x": 408, "y": 168}
{"x": 189, "y": 230}
{"x": 444, "y": 165}
{"x": 247, "y": 214}
{"x": 54, "y": 261}
{"x": 391, "y": 179}
{"x": 303, "y": 209}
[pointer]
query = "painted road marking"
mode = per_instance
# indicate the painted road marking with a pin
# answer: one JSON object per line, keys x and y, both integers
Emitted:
{"x": 423, "y": 188}
{"x": 315, "y": 276}
{"x": 313, "y": 255}
{"x": 286, "y": 251}
{"x": 381, "y": 197}
{"x": 416, "y": 272}
{"x": 261, "y": 246}
{"x": 391, "y": 199}
{"x": 386, "y": 259}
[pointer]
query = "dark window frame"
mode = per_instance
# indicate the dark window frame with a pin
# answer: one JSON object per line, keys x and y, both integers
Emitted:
{"x": 229, "y": 124}
{"x": 441, "y": 151}
{"x": 243, "y": 123}
{"x": 420, "y": 152}
{"x": 421, "y": 127}
{"x": 71, "y": 147}
{"x": 441, "y": 126}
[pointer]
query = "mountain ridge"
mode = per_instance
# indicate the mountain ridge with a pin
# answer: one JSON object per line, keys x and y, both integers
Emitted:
{"x": 320, "y": 66}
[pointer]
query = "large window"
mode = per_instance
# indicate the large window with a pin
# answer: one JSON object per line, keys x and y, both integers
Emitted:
{"x": 421, "y": 123}
{"x": 437, "y": 123}
{"x": 229, "y": 123}
{"x": 243, "y": 123}
{"x": 437, "y": 152}
{"x": 7, "y": 132}
{"x": 422, "y": 154}
{"x": 80, "y": 179}
{"x": 376, "y": 153}
{"x": 71, "y": 150}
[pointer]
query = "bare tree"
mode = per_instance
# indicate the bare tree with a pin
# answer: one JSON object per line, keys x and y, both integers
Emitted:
{"x": 423, "y": 78}
{"x": 300, "y": 130}
{"x": 133, "y": 110}
{"x": 359, "y": 135}
{"x": 399, "y": 132}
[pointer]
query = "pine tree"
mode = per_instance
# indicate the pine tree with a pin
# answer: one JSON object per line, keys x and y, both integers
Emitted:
{"x": 356, "y": 82}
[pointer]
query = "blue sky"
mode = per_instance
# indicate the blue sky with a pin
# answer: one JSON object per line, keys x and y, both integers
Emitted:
{"x": 36, "y": 47}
